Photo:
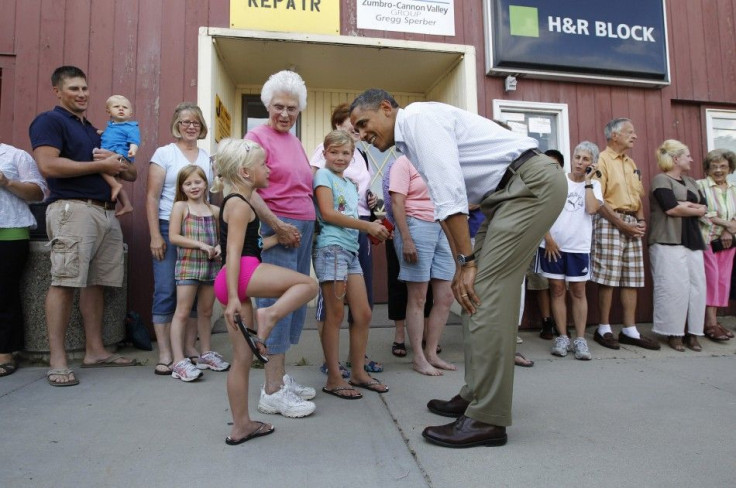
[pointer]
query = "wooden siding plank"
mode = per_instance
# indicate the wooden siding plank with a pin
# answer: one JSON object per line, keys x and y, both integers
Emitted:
{"x": 219, "y": 13}
{"x": 101, "y": 42}
{"x": 77, "y": 33}
{"x": 584, "y": 125}
{"x": 712, "y": 59}
{"x": 696, "y": 42}
{"x": 51, "y": 47}
{"x": 171, "y": 89}
{"x": 679, "y": 50}
{"x": 28, "y": 78}
{"x": 7, "y": 26}
{"x": 727, "y": 32}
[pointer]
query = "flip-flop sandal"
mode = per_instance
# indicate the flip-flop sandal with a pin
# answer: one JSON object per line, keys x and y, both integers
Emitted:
{"x": 61, "y": 372}
{"x": 110, "y": 362}
{"x": 369, "y": 385}
{"x": 336, "y": 392}
{"x": 165, "y": 365}
{"x": 398, "y": 349}
{"x": 520, "y": 360}
{"x": 252, "y": 339}
{"x": 259, "y": 432}
{"x": 7, "y": 368}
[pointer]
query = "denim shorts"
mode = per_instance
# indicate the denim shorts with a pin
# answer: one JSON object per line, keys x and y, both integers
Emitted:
{"x": 333, "y": 263}
{"x": 289, "y": 329}
{"x": 434, "y": 257}
{"x": 164, "y": 282}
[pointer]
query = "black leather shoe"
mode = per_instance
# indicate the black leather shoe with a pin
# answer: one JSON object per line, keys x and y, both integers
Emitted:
{"x": 606, "y": 340}
{"x": 642, "y": 341}
{"x": 548, "y": 329}
{"x": 454, "y": 407}
{"x": 466, "y": 432}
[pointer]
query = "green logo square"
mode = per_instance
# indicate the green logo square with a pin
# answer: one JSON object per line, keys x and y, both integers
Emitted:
{"x": 524, "y": 21}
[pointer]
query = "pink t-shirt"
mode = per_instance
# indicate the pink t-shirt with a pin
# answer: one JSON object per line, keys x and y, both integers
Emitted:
{"x": 405, "y": 179}
{"x": 289, "y": 191}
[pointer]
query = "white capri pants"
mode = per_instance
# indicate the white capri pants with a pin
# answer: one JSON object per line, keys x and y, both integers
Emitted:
{"x": 679, "y": 290}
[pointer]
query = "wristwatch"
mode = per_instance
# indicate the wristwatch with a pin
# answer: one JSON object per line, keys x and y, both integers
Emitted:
{"x": 463, "y": 259}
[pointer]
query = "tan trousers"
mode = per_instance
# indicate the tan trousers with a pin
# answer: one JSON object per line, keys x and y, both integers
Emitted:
{"x": 516, "y": 219}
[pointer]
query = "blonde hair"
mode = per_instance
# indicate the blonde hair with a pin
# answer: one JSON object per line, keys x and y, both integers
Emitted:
{"x": 122, "y": 98}
{"x": 667, "y": 152}
{"x": 339, "y": 138}
{"x": 182, "y": 176}
{"x": 231, "y": 155}
{"x": 196, "y": 111}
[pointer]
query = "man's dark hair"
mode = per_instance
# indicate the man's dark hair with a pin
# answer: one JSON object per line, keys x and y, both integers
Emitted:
{"x": 556, "y": 155}
{"x": 372, "y": 98}
{"x": 65, "y": 73}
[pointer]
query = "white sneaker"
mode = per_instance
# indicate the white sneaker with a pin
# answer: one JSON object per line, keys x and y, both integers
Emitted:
{"x": 285, "y": 402}
{"x": 184, "y": 370}
{"x": 561, "y": 345}
{"x": 305, "y": 392}
{"x": 580, "y": 345}
{"x": 212, "y": 360}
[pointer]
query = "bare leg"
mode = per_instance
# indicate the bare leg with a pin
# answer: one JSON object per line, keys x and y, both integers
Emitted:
{"x": 163, "y": 340}
{"x": 205, "y": 301}
{"x": 711, "y": 317}
{"x": 544, "y": 301}
{"x": 358, "y": 301}
{"x": 185, "y": 296}
{"x": 399, "y": 336}
{"x": 579, "y": 306}
{"x": 237, "y": 386}
{"x": 443, "y": 297}
{"x": 334, "y": 314}
{"x": 417, "y": 295}
{"x": 190, "y": 336}
{"x": 58, "y": 313}
{"x": 628, "y": 303}
{"x": 91, "y": 305}
{"x": 115, "y": 186}
{"x": 127, "y": 207}
{"x": 605, "y": 298}
{"x": 559, "y": 307}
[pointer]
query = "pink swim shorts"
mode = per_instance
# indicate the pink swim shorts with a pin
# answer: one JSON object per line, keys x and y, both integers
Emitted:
{"x": 248, "y": 265}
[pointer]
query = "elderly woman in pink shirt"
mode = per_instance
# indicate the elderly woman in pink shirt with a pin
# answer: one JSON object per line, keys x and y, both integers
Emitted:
{"x": 425, "y": 258}
{"x": 289, "y": 197}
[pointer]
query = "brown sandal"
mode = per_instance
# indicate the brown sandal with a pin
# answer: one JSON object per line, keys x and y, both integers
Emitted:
{"x": 675, "y": 343}
{"x": 715, "y": 334}
{"x": 724, "y": 330}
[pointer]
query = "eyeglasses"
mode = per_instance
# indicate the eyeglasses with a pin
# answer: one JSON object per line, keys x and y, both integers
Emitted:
{"x": 190, "y": 123}
{"x": 291, "y": 110}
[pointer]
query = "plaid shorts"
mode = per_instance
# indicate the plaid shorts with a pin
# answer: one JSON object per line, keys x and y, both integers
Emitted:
{"x": 617, "y": 260}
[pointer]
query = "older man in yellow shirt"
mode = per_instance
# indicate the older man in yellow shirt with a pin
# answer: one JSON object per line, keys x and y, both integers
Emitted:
{"x": 617, "y": 258}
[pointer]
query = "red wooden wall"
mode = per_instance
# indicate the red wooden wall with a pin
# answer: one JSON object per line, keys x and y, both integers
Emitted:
{"x": 147, "y": 50}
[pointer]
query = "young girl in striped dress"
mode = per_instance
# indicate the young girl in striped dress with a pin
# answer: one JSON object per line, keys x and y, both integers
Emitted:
{"x": 193, "y": 228}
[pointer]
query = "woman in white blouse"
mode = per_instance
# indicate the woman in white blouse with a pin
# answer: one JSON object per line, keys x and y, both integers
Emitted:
{"x": 20, "y": 183}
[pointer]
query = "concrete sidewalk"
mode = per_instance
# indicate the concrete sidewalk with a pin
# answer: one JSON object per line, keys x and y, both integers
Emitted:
{"x": 627, "y": 418}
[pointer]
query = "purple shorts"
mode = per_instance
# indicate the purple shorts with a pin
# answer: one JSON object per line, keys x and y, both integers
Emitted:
{"x": 248, "y": 265}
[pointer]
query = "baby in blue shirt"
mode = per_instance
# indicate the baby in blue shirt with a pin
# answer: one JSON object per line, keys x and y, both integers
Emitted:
{"x": 123, "y": 137}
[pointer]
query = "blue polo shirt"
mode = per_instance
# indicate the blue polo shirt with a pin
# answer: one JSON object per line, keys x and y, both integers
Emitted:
{"x": 75, "y": 140}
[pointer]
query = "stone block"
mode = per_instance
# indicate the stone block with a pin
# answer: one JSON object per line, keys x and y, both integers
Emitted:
{"x": 34, "y": 285}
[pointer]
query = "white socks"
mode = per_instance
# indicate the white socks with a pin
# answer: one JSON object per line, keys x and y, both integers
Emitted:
{"x": 631, "y": 332}
{"x": 604, "y": 329}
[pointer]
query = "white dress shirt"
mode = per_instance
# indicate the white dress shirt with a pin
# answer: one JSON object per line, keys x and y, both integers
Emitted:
{"x": 461, "y": 155}
{"x": 18, "y": 165}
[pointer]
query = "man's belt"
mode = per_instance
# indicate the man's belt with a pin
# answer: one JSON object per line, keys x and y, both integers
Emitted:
{"x": 96, "y": 203}
{"x": 515, "y": 165}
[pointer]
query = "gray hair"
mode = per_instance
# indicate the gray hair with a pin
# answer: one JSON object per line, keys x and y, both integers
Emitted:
{"x": 589, "y": 147}
{"x": 371, "y": 99}
{"x": 287, "y": 82}
{"x": 614, "y": 126}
